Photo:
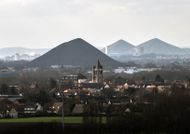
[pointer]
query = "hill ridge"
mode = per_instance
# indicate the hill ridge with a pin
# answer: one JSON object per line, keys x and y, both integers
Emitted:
{"x": 157, "y": 46}
{"x": 120, "y": 47}
{"x": 76, "y": 52}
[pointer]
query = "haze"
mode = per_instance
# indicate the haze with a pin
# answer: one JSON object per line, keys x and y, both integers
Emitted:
{"x": 47, "y": 23}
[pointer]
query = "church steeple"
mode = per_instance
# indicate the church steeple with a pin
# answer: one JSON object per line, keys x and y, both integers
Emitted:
{"x": 97, "y": 73}
{"x": 98, "y": 65}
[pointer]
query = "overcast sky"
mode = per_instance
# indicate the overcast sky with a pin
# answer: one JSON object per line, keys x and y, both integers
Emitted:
{"x": 47, "y": 23}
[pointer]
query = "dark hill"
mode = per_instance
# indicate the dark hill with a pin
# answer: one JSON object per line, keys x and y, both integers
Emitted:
{"x": 76, "y": 52}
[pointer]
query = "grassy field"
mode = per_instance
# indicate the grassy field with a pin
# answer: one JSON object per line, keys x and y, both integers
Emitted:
{"x": 77, "y": 120}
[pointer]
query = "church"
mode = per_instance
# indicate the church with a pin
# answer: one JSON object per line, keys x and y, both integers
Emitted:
{"x": 97, "y": 73}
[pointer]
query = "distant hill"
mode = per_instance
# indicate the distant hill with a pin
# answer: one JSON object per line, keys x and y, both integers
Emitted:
{"x": 157, "y": 46}
{"x": 120, "y": 47}
{"x": 76, "y": 52}
{"x": 10, "y": 51}
{"x": 186, "y": 50}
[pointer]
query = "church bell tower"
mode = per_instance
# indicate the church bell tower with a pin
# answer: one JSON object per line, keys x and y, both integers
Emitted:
{"x": 97, "y": 73}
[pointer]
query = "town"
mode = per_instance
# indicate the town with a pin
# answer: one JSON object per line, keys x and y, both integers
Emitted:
{"x": 75, "y": 94}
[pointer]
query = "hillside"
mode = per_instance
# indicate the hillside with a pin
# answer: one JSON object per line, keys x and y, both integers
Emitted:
{"x": 76, "y": 52}
{"x": 120, "y": 47}
{"x": 157, "y": 46}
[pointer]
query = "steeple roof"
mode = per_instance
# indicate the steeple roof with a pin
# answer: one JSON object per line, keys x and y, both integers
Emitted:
{"x": 98, "y": 65}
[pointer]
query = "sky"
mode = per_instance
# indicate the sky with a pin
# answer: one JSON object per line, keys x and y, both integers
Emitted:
{"x": 48, "y": 23}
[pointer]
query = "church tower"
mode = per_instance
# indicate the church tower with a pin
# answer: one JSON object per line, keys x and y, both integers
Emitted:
{"x": 97, "y": 73}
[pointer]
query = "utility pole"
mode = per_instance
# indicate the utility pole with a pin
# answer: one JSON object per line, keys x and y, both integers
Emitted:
{"x": 62, "y": 109}
{"x": 62, "y": 99}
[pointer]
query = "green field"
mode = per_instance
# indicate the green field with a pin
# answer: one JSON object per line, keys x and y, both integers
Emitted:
{"x": 68, "y": 120}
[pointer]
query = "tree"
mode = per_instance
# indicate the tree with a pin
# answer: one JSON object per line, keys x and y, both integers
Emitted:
{"x": 40, "y": 96}
{"x": 13, "y": 91}
{"x": 4, "y": 89}
{"x": 120, "y": 80}
{"x": 158, "y": 78}
{"x": 53, "y": 83}
{"x": 108, "y": 92}
{"x": 43, "y": 97}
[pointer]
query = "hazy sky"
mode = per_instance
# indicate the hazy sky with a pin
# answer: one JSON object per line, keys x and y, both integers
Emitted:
{"x": 47, "y": 23}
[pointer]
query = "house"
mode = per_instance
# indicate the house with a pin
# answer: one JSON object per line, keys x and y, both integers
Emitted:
{"x": 53, "y": 107}
{"x": 92, "y": 85}
{"x": 6, "y": 108}
{"x": 13, "y": 113}
{"x": 68, "y": 81}
{"x": 39, "y": 107}
{"x": 82, "y": 79}
{"x": 78, "y": 109}
{"x": 32, "y": 109}
{"x": 57, "y": 107}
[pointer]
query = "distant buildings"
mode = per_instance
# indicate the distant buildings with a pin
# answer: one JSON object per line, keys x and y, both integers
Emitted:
{"x": 17, "y": 57}
{"x": 73, "y": 81}
{"x": 132, "y": 70}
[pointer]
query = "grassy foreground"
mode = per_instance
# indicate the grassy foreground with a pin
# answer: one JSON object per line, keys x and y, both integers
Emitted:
{"x": 69, "y": 120}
